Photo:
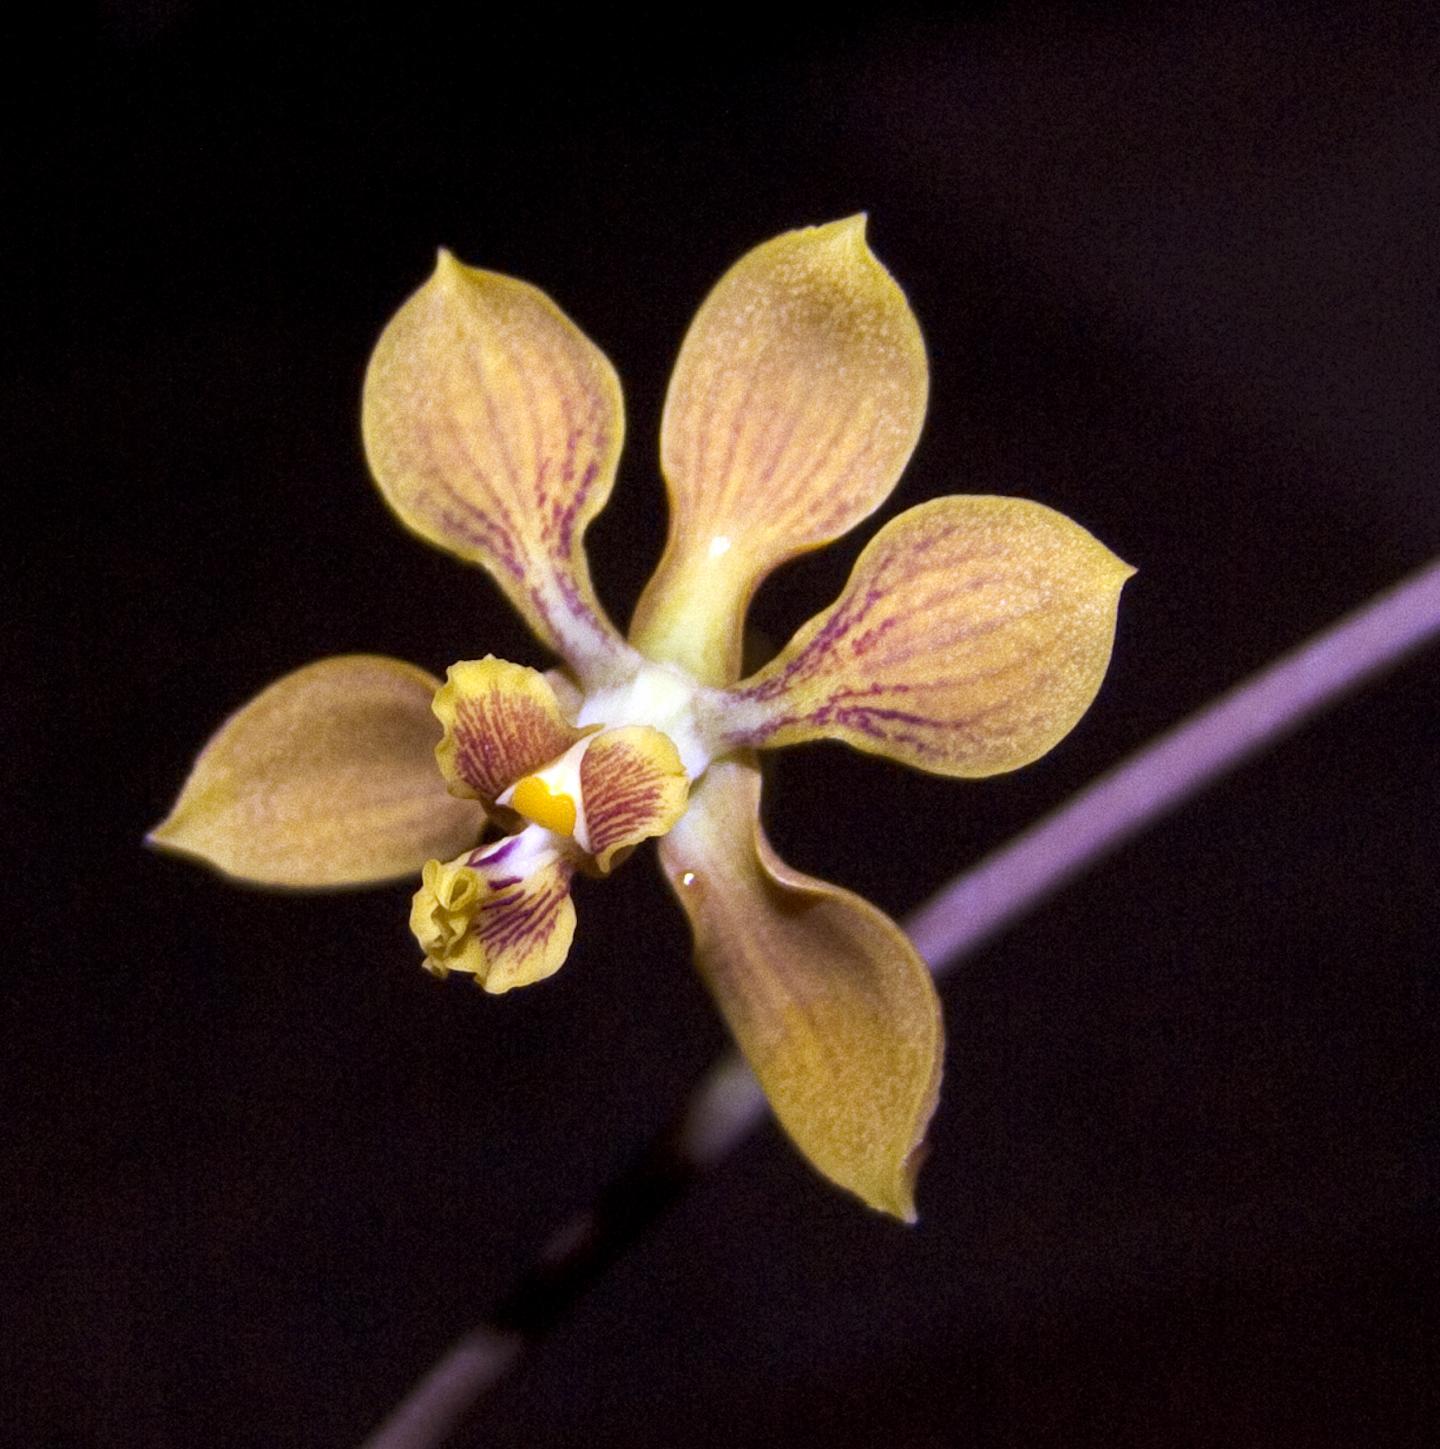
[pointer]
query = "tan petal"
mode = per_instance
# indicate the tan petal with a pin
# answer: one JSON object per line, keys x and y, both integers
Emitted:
{"x": 501, "y": 722}
{"x": 493, "y": 426}
{"x": 972, "y": 635}
{"x": 794, "y": 406}
{"x": 502, "y": 913}
{"x": 832, "y": 1007}
{"x": 634, "y": 787}
{"x": 326, "y": 778}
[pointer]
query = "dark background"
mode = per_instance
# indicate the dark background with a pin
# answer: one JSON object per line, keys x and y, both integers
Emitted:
{"x": 1176, "y": 267}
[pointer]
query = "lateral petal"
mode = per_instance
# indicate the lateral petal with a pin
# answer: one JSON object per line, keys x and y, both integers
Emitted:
{"x": 326, "y": 778}
{"x": 830, "y": 1004}
{"x": 634, "y": 787}
{"x": 972, "y": 635}
{"x": 501, "y": 721}
{"x": 493, "y": 426}
{"x": 795, "y": 404}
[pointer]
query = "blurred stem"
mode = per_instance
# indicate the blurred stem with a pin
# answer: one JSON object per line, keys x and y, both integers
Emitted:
{"x": 951, "y": 926}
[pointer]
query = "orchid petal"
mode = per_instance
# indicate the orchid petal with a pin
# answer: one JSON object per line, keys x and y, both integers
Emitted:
{"x": 970, "y": 638}
{"x": 829, "y": 1002}
{"x": 493, "y": 425}
{"x": 502, "y": 913}
{"x": 325, "y": 778}
{"x": 634, "y": 787}
{"x": 501, "y": 722}
{"x": 795, "y": 404}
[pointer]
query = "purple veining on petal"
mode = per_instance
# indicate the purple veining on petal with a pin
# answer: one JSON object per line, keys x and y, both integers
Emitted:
{"x": 504, "y": 452}
{"x": 501, "y": 735}
{"x": 799, "y": 484}
{"x": 738, "y": 417}
{"x": 563, "y": 523}
{"x": 784, "y": 434}
{"x": 513, "y": 913}
{"x": 497, "y": 546}
{"x": 488, "y": 855}
{"x": 622, "y": 789}
{"x": 931, "y": 736}
{"x": 850, "y": 612}
{"x": 846, "y": 665}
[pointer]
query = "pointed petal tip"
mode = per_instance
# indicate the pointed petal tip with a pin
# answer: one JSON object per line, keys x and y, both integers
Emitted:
{"x": 796, "y": 401}
{"x": 160, "y": 842}
{"x": 169, "y": 836}
{"x": 324, "y": 779}
{"x": 845, "y": 245}
{"x": 971, "y": 637}
{"x": 826, "y": 998}
{"x": 903, "y": 1211}
{"x": 894, "y": 1198}
{"x": 847, "y": 228}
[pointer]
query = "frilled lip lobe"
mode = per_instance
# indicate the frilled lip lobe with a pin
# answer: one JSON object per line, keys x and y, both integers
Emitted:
{"x": 972, "y": 635}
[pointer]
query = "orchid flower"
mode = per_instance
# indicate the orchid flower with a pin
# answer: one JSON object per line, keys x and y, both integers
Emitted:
{"x": 971, "y": 636}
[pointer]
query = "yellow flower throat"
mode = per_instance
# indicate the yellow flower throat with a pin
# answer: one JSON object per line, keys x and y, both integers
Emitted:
{"x": 537, "y": 802}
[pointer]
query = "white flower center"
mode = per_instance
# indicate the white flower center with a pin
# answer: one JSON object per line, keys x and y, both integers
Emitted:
{"x": 663, "y": 697}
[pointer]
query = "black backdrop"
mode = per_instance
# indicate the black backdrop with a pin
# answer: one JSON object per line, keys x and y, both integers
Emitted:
{"x": 1177, "y": 275}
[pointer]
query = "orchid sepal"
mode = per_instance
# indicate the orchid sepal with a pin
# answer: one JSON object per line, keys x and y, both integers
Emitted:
{"x": 972, "y": 635}
{"x": 326, "y": 778}
{"x": 796, "y": 401}
{"x": 493, "y": 425}
{"x": 828, "y": 1001}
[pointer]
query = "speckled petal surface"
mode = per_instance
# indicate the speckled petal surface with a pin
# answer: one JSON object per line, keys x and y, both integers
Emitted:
{"x": 972, "y": 635}
{"x": 795, "y": 403}
{"x": 828, "y": 1001}
{"x": 492, "y": 425}
{"x": 326, "y": 778}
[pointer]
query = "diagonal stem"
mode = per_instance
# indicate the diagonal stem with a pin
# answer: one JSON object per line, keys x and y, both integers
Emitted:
{"x": 1177, "y": 765}
{"x": 952, "y": 925}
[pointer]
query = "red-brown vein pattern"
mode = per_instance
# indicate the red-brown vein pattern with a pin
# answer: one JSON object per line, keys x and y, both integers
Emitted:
{"x": 525, "y": 921}
{"x": 634, "y": 787}
{"x": 795, "y": 404}
{"x": 972, "y": 635}
{"x": 493, "y": 426}
{"x": 502, "y": 722}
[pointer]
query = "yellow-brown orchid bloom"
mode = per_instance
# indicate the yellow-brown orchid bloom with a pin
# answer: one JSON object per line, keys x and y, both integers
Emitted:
{"x": 972, "y": 635}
